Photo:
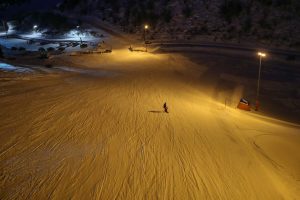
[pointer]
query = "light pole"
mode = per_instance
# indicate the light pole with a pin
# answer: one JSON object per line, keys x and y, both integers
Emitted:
{"x": 146, "y": 27}
{"x": 5, "y": 27}
{"x": 78, "y": 32}
{"x": 261, "y": 55}
{"x": 35, "y": 28}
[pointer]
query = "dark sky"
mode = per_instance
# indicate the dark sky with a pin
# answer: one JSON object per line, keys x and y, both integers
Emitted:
{"x": 41, "y": 4}
{"x": 32, "y": 5}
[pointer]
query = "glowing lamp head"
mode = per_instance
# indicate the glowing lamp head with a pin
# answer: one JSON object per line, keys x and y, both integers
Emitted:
{"x": 261, "y": 54}
{"x": 146, "y": 27}
{"x": 35, "y": 27}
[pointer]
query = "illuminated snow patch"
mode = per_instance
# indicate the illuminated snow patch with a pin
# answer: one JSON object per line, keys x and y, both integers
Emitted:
{"x": 32, "y": 35}
{"x": 78, "y": 35}
{"x": 90, "y": 72}
{"x": 11, "y": 68}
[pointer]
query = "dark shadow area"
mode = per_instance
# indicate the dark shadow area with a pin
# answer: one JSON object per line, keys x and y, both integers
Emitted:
{"x": 279, "y": 91}
{"x": 156, "y": 111}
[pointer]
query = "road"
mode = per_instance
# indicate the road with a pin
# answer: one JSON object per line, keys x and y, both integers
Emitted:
{"x": 170, "y": 44}
{"x": 236, "y": 47}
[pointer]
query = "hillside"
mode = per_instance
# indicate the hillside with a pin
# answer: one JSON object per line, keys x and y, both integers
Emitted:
{"x": 272, "y": 22}
{"x": 100, "y": 132}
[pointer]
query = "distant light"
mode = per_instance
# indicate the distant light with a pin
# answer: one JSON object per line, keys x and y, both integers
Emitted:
{"x": 35, "y": 27}
{"x": 261, "y": 54}
{"x": 77, "y": 27}
{"x": 146, "y": 26}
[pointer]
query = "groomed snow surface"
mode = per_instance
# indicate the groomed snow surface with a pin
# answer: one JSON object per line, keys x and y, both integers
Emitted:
{"x": 69, "y": 135}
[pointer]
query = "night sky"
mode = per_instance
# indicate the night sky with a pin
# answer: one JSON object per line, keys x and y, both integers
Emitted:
{"x": 33, "y": 5}
{"x": 41, "y": 4}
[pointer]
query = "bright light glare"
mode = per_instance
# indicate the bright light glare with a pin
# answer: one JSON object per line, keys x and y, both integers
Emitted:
{"x": 35, "y": 27}
{"x": 146, "y": 26}
{"x": 261, "y": 54}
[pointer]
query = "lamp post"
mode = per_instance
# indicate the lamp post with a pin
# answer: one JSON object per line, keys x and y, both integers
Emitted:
{"x": 261, "y": 55}
{"x": 35, "y": 28}
{"x": 5, "y": 27}
{"x": 78, "y": 32}
{"x": 146, "y": 27}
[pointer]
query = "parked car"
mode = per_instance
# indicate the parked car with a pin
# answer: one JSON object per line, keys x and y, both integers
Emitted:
{"x": 50, "y": 49}
{"x": 83, "y": 46}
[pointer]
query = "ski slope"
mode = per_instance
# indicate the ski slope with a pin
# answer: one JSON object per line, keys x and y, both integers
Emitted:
{"x": 65, "y": 135}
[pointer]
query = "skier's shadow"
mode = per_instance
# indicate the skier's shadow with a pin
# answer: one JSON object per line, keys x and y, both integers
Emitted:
{"x": 156, "y": 111}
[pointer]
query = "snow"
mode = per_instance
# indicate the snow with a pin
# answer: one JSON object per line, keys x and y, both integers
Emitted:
{"x": 8, "y": 67}
{"x": 11, "y": 30}
{"x": 106, "y": 137}
{"x": 90, "y": 72}
{"x": 32, "y": 35}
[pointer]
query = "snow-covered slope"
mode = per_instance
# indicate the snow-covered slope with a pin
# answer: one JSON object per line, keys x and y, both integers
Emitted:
{"x": 66, "y": 136}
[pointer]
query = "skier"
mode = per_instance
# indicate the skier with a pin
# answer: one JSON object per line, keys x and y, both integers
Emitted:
{"x": 165, "y": 107}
